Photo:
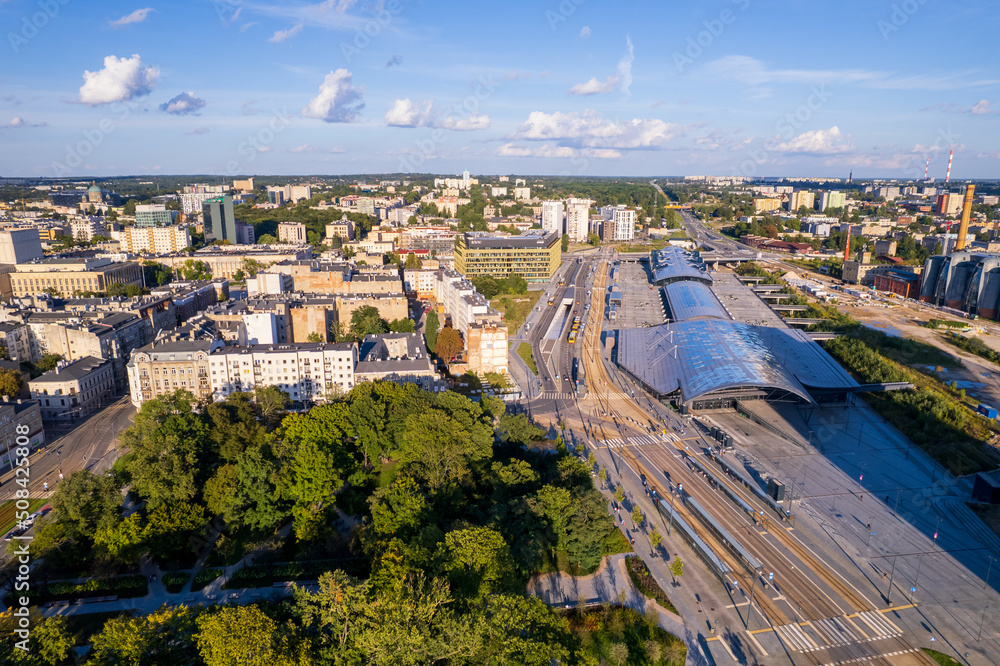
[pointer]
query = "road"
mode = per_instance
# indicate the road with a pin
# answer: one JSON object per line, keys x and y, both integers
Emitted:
{"x": 90, "y": 445}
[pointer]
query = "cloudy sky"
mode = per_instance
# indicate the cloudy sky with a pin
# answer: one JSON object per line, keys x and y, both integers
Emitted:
{"x": 574, "y": 87}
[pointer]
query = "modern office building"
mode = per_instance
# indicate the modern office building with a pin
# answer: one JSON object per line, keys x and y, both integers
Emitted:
{"x": 219, "y": 219}
{"x": 552, "y": 216}
{"x": 535, "y": 256}
{"x": 153, "y": 215}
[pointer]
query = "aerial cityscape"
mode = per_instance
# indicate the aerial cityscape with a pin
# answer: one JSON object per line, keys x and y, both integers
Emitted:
{"x": 344, "y": 333}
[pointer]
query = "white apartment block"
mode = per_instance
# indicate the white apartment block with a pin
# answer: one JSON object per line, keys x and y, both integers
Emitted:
{"x": 620, "y": 227}
{"x": 191, "y": 201}
{"x": 577, "y": 219}
{"x": 86, "y": 228}
{"x": 307, "y": 372}
{"x": 153, "y": 240}
{"x": 522, "y": 193}
{"x": 832, "y": 199}
{"x": 422, "y": 282}
{"x": 498, "y": 191}
{"x": 552, "y": 216}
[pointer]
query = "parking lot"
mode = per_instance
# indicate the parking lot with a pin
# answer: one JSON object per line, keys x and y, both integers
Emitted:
{"x": 642, "y": 304}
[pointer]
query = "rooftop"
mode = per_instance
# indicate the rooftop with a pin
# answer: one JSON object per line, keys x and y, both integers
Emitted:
{"x": 674, "y": 263}
{"x": 481, "y": 240}
{"x": 76, "y": 370}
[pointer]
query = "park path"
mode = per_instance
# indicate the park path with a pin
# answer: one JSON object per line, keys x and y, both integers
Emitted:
{"x": 611, "y": 584}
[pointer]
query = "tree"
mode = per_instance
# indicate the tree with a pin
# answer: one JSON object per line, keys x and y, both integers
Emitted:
{"x": 637, "y": 516}
{"x": 412, "y": 261}
{"x": 402, "y": 325}
{"x": 170, "y": 449}
{"x": 602, "y": 474}
{"x": 431, "y": 325}
{"x": 126, "y": 290}
{"x": 247, "y": 636}
{"x": 676, "y": 568}
{"x": 618, "y": 654}
{"x": 267, "y": 239}
{"x": 315, "y": 337}
{"x": 157, "y": 274}
{"x": 271, "y": 403}
{"x": 477, "y": 562}
{"x": 517, "y": 429}
{"x": 367, "y": 320}
{"x": 123, "y": 541}
{"x": 440, "y": 448}
{"x": 10, "y": 383}
{"x": 86, "y": 502}
{"x": 591, "y": 458}
{"x": 565, "y": 242}
{"x": 162, "y": 638}
{"x": 449, "y": 344}
{"x": 655, "y": 538}
{"x": 619, "y": 494}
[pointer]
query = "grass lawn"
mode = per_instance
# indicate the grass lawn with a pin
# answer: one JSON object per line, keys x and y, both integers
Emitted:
{"x": 8, "y": 510}
{"x": 515, "y": 307}
{"x": 524, "y": 351}
{"x": 941, "y": 658}
{"x": 643, "y": 581}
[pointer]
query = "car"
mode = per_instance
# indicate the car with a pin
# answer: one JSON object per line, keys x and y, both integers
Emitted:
{"x": 557, "y": 375}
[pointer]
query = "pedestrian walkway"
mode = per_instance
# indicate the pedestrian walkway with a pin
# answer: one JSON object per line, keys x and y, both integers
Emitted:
{"x": 806, "y": 637}
{"x": 640, "y": 440}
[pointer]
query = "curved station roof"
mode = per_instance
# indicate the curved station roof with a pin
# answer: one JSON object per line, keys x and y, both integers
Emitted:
{"x": 692, "y": 300}
{"x": 716, "y": 357}
{"x": 672, "y": 264}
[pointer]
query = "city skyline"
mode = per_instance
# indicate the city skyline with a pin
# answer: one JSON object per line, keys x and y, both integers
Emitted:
{"x": 574, "y": 88}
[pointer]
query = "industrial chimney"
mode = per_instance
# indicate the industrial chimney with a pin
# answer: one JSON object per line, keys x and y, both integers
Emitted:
{"x": 963, "y": 228}
{"x": 847, "y": 248}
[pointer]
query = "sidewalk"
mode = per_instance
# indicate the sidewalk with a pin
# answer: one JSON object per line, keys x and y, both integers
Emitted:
{"x": 611, "y": 584}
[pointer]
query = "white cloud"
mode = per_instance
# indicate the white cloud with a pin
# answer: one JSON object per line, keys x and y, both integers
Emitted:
{"x": 818, "y": 142}
{"x": 281, "y": 35}
{"x": 247, "y": 26}
{"x": 625, "y": 66}
{"x": 308, "y": 148}
{"x": 338, "y": 100}
{"x": 595, "y": 87}
{"x": 589, "y": 129}
{"x": 585, "y": 32}
{"x": 19, "y": 122}
{"x": 121, "y": 79}
{"x": 755, "y": 72}
{"x": 406, "y": 113}
{"x": 981, "y": 108}
{"x": 475, "y": 121}
{"x": 551, "y": 150}
{"x": 184, "y": 104}
{"x": 138, "y": 16}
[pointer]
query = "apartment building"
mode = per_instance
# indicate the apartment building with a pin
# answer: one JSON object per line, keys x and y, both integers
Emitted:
{"x": 552, "y": 217}
{"x": 163, "y": 367}
{"x": 800, "y": 198}
{"x": 344, "y": 229}
{"x": 619, "y": 224}
{"x": 292, "y": 232}
{"x": 396, "y": 357}
{"x": 153, "y": 215}
{"x": 578, "y": 219}
{"x": 307, "y": 372}
{"x": 389, "y": 306}
{"x": 225, "y": 261}
{"x": 24, "y": 414}
{"x": 73, "y": 390}
{"x": 153, "y": 239}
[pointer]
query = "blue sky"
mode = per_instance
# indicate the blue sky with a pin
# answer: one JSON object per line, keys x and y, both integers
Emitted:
{"x": 577, "y": 87}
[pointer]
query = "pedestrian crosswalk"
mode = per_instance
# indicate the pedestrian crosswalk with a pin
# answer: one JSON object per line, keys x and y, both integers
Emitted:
{"x": 834, "y": 631}
{"x": 640, "y": 440}
{"x": 552, "y": 395}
